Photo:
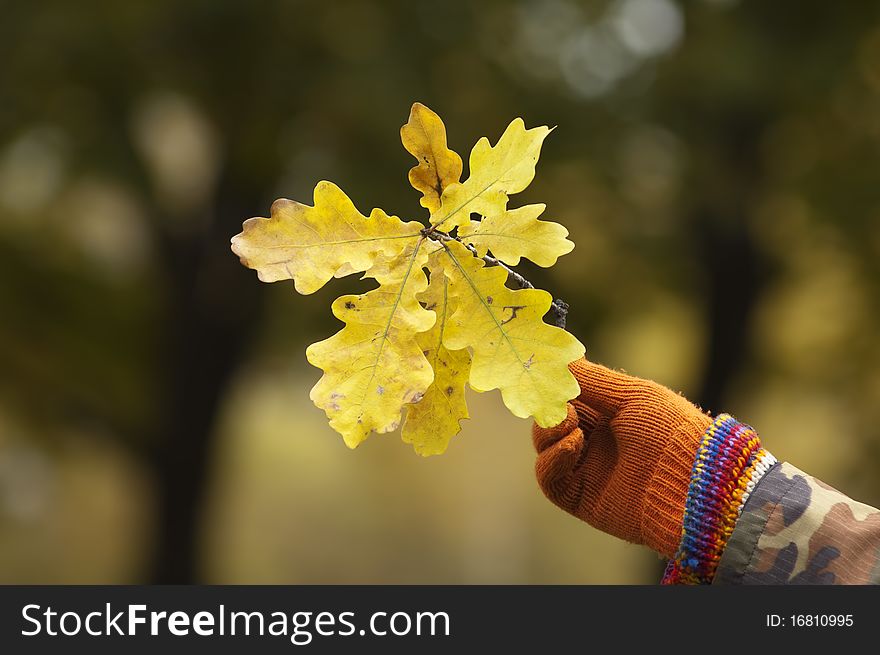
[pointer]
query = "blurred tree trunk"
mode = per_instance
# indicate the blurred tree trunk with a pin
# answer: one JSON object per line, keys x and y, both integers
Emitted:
{"x": 735, "y": 269}
{"x": 210, "y": 313}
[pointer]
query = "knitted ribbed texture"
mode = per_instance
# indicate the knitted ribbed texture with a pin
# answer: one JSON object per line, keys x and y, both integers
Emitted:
{"x": 729, "y": 463}
{"x": 622, "y": 460}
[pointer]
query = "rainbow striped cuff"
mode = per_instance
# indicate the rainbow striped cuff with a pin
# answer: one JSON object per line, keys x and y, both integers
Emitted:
{"x": 728, "y": 465}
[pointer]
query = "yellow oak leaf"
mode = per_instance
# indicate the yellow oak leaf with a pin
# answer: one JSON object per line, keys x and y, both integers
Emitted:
{"x": 374, "y": 365}
{"x": 415, "y": 344}
{"x": 496, "y": 172}
{"x": 432, "y": 421}
{"x": 513, "y": 349}
{"x": 518, "y": 233}
{"x": 310, "y": 245}
{"x": 424, "y": 137}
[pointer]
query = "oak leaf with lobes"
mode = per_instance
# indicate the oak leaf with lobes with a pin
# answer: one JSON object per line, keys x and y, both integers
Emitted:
{"x": 442, "y": 318}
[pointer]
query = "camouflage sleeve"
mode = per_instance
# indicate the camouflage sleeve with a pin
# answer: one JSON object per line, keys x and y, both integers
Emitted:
{"x": 795, "y": 529}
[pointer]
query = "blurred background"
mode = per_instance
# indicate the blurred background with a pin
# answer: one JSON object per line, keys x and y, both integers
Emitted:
{"x": 716, "y": 162}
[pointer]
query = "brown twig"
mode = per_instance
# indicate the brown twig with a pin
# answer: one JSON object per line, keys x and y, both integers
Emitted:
{"x": 558, "y": 309}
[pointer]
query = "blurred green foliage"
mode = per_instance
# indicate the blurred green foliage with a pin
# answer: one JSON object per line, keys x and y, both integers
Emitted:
{"x": 716, "y": 163}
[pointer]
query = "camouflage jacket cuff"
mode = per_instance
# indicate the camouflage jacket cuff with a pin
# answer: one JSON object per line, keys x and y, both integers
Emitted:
{"x": 795, "y": 529}
{"x": 728, "y": 464}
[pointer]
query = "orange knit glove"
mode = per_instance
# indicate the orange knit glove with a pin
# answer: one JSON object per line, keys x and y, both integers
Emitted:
{"x": 622, "y": 459}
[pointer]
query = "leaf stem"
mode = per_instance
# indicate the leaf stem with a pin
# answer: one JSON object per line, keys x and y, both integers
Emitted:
{"x": 558, "y": 309}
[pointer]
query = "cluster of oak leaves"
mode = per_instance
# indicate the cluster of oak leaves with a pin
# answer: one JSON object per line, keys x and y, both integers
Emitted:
{"x": 416, "y": 343}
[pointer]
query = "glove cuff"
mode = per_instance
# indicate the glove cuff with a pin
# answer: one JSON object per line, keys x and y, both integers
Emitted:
{"x": 728, "y": 464}
{"x": 666, "y": 492}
